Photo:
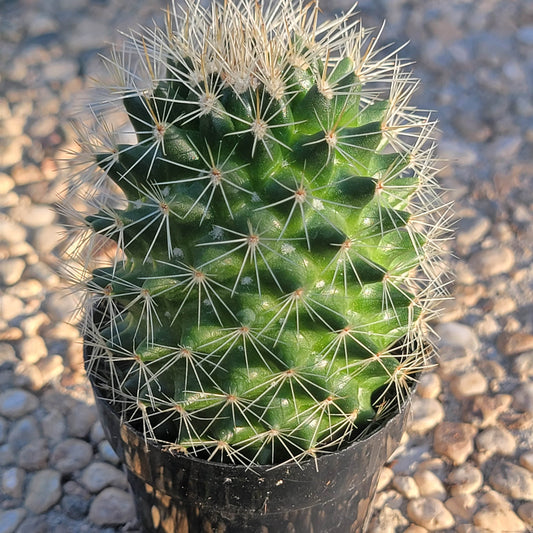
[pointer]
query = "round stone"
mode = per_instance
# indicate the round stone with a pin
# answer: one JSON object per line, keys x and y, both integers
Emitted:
{"x": 523, "y": 366}
{"x": 469, "y": 384}
{"x": 493, "y": 261}
{"x": 97, "y": 476}
{"x": 406, "y": 486}
{"x": 514, "y": 343}
{"x": 107, "y": 453}
{"x": 462, "y": 506}
{"x": 512, "y": 480}
{"x": 454, "y": 440}
{"x": 429, "y": 385}
{"x": 496, "y": 440}
{"x": 426, "y": 414}
{"x": 470, "y": 230}
{"x": 34, "y": 456}
{"x": 11, "y": 519}
{"x": 10, "y": 307}
{"x": 429, "y": 484}
{"x": 523, "y": 398}
{"x": 498, "y": 519}
{"x": 525, "y": 512}
{"x": 454, "y": 334}
{"x": 11, "y": 270}
{"x": 15, "y": 403}
{"x": 430, "y": 513}
{"x": 71, "y": 455}
{"x": 80, "y": 419}
{"x": 112, "y": 507}
{"x": 74, "y": 506}
{"x": 24, "y": 431}
{"x": 44, "y": 491}
{"x": 33, "y": 215}
{"x": 31, "y": 349}
{"x": 465, "y": 479}
{"x": 13, "y": 482}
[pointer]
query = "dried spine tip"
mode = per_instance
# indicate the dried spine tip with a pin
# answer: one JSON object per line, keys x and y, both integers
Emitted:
{"x": 276, "y": 226}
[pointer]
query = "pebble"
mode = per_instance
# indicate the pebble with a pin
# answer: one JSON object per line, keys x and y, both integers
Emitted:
{"x": 10, "y": 307}
{"x": 489, "y": 408}
{"x": 33, "y": 215}
{"x": 11, "y": 519}
{"x": 426, "y": 414}
{"x": 31, "y": 349}
{"x": 99, "y": 475}
{"x": 385, "y": 477}
{"x": 525, "y": 35}
{"x": 429, "y": 484}
{"x": 71, "y": 455}
{"x": 471, "y": 230}
{"x": 45, "y": 239}
{"x": 525, "y": 512}
{"x": 74, "y": 506}
{"x": 112, "y": 507}
{"x": 429, "y": 385}
{"x": 496, "y": 440}
{"x": 430, "y": 513}
{"x": 512, "y": 480}
{"x": 406, "y": 486}
{"x": 523, "y": 398}
{"x": 462, "y": 506}
{"x": 15, "y": 403}
{"x": 50, "y": 368}
{"x": 469, "y": 384}
{"x": 465, "y": 479}
{"x": 498, "y": 519}
{"x": 24, "y": 431}
{"x": 455, "y": 440}
{"x": 526, "y": 460}
{"x": 514, "y": 343}
{"x": 107, "y": 453}
{"x": 34, "y": 456}
{"x": 80, "y": 419}
{"x": 11, "y": 270}
{"x": 13, "y": 482}
{"x": 54, "y": 427}
{"x": 454, "y": 334}
{"x": 44, "y": 491}
{"x": 493, "y": 261}
{"x": 61, "y": 306}
{"x": 523, "y": 366}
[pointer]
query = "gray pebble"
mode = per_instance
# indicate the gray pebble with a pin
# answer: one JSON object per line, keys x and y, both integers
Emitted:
{"x": 112, "y": 507}
{"x": 107, "y": 453}
{"x": 71, "y": 455}
{"x": 34, "y": 456}
{"x": 11, "y": 270}
{"x": 15, "y": 403}
{"x": 460, "y": 335}
{"x": 11, "y": 519}
{"x": 3, "y": 430}
{"x": 7, "y": 457}
{"x": 80, "y": 419}
{"x": 22, "y": 432}
{"x": 525, "y": 512}
{"x": 99, "y": 475}
{"x": 54, "y": 427}
{"x": 493, "y": 261}
{"x": 97, "y": 432}
{"x": 13, "y": 482}
{"x": 471, "y": 230}
{"x": 74, "y": 506}
{"x": 505, "y": 147}
{"x": 512, "y": 480}
{"x": 31, "y": 349}
{"x": 457, "y": 153}
{"x": 44, "y": 491}
{"x": 525, "y": 35}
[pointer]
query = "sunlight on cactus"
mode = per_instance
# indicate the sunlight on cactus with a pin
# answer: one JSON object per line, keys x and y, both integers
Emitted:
{"x": 277, "y": 231}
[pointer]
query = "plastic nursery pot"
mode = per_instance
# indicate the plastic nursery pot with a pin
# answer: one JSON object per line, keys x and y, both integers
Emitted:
{"x": 176, "y": 493}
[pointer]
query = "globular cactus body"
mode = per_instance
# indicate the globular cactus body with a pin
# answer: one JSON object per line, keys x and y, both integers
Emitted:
{"x": 273, "y": 273}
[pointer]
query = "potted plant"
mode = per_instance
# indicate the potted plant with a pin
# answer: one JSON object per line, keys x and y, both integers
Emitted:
{"x": 259, "y": 265}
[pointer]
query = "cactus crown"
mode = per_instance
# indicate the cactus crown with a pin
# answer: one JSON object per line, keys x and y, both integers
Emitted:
{"x": 261, "y": 257}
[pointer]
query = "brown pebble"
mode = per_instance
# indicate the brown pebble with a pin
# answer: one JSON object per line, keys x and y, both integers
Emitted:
{"x": 514, "y": 343}
{"x": 455, "y": 440}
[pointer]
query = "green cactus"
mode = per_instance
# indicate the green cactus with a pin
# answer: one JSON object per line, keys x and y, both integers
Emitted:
{"x": 276, "y": 225}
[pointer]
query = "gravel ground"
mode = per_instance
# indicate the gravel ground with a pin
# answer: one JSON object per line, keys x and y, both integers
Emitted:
{"x": 466, "y": 463}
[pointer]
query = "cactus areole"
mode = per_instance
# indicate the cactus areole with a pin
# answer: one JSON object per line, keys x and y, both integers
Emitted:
{"x": 261, "y": 233}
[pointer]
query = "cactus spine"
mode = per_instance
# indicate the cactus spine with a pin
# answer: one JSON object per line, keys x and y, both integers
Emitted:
{"x": 275, "y": 226}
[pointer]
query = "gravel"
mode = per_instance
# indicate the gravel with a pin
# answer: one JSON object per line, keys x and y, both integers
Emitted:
{"x": 466, "y": 463}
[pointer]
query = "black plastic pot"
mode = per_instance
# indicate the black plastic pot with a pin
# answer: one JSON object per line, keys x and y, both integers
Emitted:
{"x": 181, "y": 494}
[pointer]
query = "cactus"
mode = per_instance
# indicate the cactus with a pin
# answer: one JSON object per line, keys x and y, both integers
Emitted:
{"x": 261, "y": 240}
